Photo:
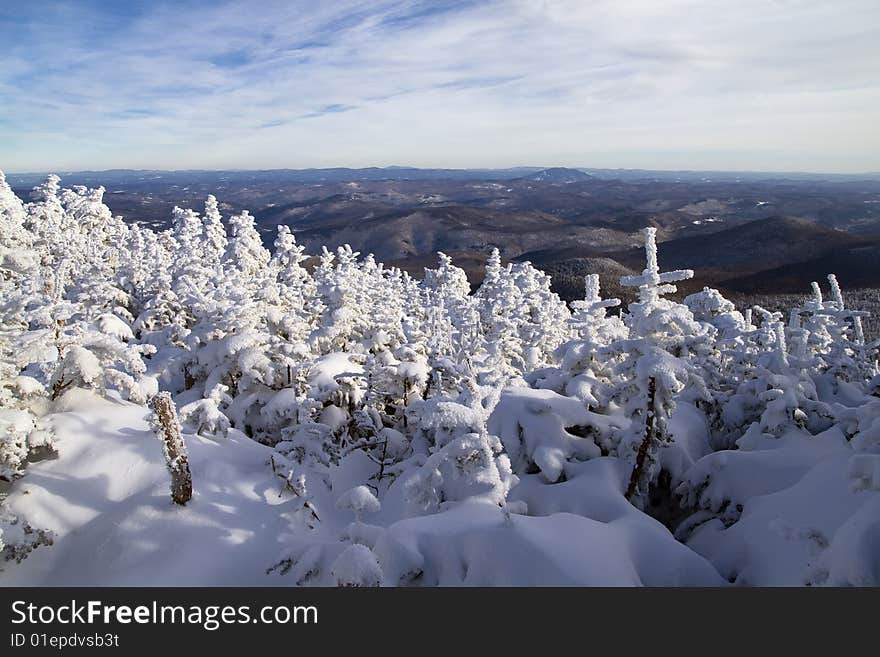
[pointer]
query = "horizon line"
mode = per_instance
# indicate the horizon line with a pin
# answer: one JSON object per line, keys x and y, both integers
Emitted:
{"x": 393, "y": 167}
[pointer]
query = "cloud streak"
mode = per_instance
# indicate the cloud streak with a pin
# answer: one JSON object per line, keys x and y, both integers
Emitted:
{"x": 785, "y": 85}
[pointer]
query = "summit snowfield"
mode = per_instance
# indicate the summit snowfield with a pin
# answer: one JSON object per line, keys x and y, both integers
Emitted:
{"x": 346, "y": 424}
{"x": 106, "y": 503}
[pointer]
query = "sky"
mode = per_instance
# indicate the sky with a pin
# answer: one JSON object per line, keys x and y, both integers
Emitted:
{"x": 769, "y": 85}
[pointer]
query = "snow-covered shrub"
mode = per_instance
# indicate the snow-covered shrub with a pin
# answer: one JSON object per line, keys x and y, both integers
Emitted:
{"x": 472, "y": 467}
{"x": 15, "y": 427}
{"x": 356, "y": 566}
{"x": 541, "y": 429}
{"x": 587, "y": 363}
{"x": 358, "y": 500}
{"x": 204, "y": 416}
{"x": 18, "y": 538}
{"x": 79, "y": 367}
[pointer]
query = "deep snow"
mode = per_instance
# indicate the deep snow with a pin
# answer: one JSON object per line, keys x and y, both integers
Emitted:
{"x": 106, "y": 500}
{"x": 105, "y": 497}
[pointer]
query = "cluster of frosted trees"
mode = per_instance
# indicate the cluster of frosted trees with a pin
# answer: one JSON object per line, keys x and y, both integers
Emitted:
{"x": 446, "y": 393}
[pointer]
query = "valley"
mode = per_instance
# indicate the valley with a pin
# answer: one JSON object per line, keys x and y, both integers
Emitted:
{"x": 743, "y": 233}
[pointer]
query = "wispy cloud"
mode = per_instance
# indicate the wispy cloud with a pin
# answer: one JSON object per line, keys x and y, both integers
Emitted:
{"x": 761, "y": 85}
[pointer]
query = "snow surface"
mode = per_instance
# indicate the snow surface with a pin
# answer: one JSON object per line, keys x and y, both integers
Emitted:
{"x": 106, "y": 500}
{"x": 815, "y": 528}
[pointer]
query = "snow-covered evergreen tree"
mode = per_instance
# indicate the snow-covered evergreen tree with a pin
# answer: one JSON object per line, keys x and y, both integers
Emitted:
{"x": 664, "y": 343}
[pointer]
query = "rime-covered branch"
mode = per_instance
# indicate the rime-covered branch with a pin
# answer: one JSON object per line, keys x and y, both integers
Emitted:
{"x": 652, "y": 283}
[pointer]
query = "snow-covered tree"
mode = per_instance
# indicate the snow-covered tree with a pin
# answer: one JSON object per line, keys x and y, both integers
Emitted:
{"x": 658, "y": 366}
{"x": 215, "y": 240}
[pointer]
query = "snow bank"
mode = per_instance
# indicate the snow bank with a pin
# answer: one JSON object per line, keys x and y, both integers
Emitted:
{"x": 816, "y": 525}
{"x": 479, "y": 545}
{"x": 106, "y": 500}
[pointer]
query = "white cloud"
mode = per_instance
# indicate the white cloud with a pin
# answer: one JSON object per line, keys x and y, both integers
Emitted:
{"x": 756, "y": 85}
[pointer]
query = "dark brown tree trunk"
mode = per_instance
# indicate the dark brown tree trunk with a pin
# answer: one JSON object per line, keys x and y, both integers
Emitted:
{"x": 642, "y": 455}
{"x": 168, "y": 427}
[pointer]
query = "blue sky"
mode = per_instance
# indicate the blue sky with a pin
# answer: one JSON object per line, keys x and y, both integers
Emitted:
{"x": 761, "y": 85}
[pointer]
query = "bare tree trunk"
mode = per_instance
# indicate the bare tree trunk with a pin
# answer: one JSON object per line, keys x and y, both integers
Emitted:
{"x": 382, "y": 464}
{"x": 167, "y": 426}
{"x": 642, "y": 454}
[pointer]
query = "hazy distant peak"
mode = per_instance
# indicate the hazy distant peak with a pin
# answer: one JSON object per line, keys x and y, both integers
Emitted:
{"x": 559, "y": 175}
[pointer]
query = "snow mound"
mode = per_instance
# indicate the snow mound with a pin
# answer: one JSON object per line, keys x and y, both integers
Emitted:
{"x": 105, "y": 499}
{"x": 356, "y": 566}
{"x": 105, "y": 502}
{"x": 814, "y": 526}
{"x": 477, "y": 544}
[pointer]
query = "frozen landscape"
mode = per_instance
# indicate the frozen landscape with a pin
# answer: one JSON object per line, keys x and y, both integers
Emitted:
{"x": 185, "y": 407}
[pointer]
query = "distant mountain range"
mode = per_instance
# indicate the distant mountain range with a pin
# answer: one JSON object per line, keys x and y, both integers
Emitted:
{"x": 742, "y": 232}
{"x": 329, "y": 175}
{"x": 342, "y": 174}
